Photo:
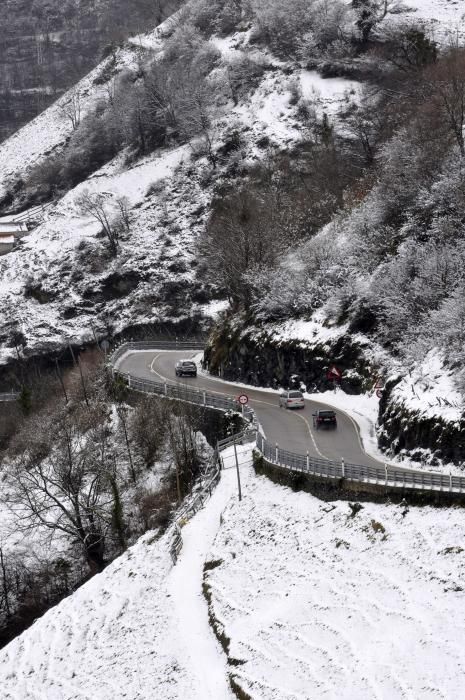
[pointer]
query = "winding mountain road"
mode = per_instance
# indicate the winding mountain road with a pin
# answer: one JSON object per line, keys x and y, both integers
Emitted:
{"x": 292, "y": 430}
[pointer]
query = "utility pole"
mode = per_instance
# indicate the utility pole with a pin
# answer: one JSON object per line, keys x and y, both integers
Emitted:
{"x": 82, "y": 382}
{"x": 61, "y": 381}
{"x": 72, "y": 354}
{"x": 238, "y": 473}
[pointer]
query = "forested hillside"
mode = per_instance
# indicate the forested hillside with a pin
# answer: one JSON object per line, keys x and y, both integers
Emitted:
{"x": 46, "y": 46}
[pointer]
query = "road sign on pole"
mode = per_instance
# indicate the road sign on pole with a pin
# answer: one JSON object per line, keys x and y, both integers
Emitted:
{"x": 243, "y": 399}
{"x": 334, "y": 374}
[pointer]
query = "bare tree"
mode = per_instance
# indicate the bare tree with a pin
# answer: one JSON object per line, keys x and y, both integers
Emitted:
{"x": 184, "y": 449}
{"x": 445, "y": 85}
{"x": 94, "y": 205}
{"x": 72, "y": 108}
{"x": 61, "y": 483}
{"x": 148, "y": 427}
{"x": 370, "y": 13}
{"x": 5, "y": 586}
{"x": 121, "y": 410}
{"x": 124, "y": 212}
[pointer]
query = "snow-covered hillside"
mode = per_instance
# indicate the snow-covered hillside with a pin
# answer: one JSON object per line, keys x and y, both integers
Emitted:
{"x": 48, "y": 132}
{"x": 311, "y": 603}
{"x": 139, "y": 630}
{"x": 443, "y": 19}
{"x": 318, "y": 604}
{"x": 57, "y": 284}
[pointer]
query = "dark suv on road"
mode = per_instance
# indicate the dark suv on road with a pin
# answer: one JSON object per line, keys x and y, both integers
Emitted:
{"x": 324, "y": 419}
{"x": 185, "y": 368}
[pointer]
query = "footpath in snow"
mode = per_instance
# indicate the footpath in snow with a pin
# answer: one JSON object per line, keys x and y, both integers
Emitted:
{"x": 137, "y": 631}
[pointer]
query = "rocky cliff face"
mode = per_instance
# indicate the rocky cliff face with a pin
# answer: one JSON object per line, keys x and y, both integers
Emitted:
{"x": 424, "y": 438}
{"x": 256, "y": 357}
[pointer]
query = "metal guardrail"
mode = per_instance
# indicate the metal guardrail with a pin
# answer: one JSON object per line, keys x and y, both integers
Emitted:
{"x": 191, "y": 508}
{"x": 182, "y": 392}
{"x": 10, "y": 396}
{"x": 192, "y": 344}
{"x": 388, "y": 475}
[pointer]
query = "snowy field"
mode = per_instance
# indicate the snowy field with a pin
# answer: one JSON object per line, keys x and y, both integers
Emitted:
{"x": 317, "y": 604}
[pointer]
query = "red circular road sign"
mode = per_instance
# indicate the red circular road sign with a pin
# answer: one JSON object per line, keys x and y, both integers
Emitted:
{"x": 379, "y": 393}
{"x": 243, "y": 399}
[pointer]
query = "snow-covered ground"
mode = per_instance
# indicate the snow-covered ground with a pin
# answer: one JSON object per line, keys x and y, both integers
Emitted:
{"x": 308, "y": 332}
{"x": 317, "y": 604}
{"x": 429, "y": 389}
{"x": 443, "y": 20}
{"x": 139, "y": 630}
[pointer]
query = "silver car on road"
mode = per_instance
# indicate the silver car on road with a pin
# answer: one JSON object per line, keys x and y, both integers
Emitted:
{"x": 291, "y": 399}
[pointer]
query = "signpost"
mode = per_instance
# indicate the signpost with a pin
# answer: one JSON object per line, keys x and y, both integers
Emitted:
{"x": 104, "y": 346}
{"x": 334, "y": 374}
{"x": 378, "y": 387}
{"x": 243, "y": 399}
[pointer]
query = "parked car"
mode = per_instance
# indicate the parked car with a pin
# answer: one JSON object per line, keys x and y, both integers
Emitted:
{"x": 291, "y": 399}
{"x": 324, "y": 419}
{"x": 185, "y": 368}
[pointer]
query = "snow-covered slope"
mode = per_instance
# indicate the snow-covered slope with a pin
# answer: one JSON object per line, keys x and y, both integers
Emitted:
{"x": 317, "y": 604}
{"x": 58, "y": 285}
{"x": 139, "y": 630}
{"x": 313, "y": 604}
{"x": 443, "y": 20}
{"x": 48, "y": 132}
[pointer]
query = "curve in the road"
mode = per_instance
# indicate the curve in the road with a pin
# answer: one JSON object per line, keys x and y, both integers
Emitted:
{"x": 292, "y": 430}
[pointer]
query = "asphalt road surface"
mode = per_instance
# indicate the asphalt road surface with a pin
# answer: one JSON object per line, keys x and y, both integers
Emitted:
{"x": 292, "y": 429}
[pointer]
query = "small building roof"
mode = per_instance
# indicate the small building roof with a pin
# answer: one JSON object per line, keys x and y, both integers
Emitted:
{"x": 7, "y": 240}
{"x": 12, "y": 227}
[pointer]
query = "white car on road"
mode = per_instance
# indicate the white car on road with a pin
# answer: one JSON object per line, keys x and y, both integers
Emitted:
{"x": 291, "y": 399}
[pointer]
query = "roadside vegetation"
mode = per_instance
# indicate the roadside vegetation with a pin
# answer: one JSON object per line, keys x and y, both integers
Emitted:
{"x": 86, "y": 469}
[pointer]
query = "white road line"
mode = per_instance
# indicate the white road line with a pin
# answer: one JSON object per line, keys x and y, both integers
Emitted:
{"x": 252, "y": 401}
{"x": 151, "y": 365}
{"x": 313, "y": 437}
{"x": 233, "y": 385}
